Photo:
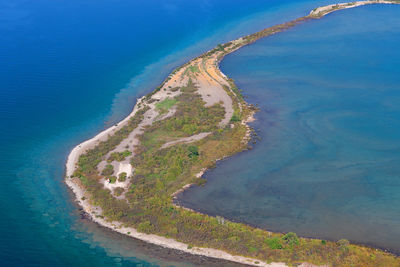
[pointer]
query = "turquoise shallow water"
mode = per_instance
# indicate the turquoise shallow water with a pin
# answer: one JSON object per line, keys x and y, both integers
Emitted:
{"x": 69, "y": 68}
{"x": 328, "y": 164}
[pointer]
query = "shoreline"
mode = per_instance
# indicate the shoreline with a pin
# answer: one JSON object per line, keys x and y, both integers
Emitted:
{"x": 82, "y": 196}
{"x": 160, "y": 240}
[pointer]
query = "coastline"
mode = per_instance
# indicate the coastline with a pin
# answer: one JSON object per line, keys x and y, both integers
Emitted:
{"x": 325, "y": 10}
{"x": 82, "y": 196}
{"x": 160, "y": 240}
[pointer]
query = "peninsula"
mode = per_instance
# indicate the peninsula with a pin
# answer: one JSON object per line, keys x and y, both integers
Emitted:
{"x": 126, "y": 177}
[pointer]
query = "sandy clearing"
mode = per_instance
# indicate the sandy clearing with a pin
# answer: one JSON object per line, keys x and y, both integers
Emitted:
{"x": 124, "y": 167}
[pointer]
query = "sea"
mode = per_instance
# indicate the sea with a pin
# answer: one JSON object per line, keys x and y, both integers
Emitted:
{"x": 327, "y": 161}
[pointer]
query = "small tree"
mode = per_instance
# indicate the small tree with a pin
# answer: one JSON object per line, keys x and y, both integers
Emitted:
{"x": 122, "y": 177}
{"x": 235, "y": 118}
{"x": 291, "y": 239}
{"x": 193, "y": 151}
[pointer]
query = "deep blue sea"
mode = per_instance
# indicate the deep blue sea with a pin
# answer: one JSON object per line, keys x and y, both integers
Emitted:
{"x": 329, "y": 122}
{"x": 328, "y": 163}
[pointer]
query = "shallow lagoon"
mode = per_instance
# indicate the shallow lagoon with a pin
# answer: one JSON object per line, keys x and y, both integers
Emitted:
{"x": 328, "y": 162}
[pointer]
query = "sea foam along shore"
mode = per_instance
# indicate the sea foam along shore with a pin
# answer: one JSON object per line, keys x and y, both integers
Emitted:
{"x": 83, "y": 198}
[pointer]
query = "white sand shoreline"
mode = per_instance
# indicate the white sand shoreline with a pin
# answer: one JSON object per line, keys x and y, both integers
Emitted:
{"x": 83, "y": 199}
{"x": 325, "y": 10}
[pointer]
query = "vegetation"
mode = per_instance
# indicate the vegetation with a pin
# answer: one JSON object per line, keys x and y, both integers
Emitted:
{"x": 119, "y": 156}
{"x": 193, "y": 69}
{"x": 193, "y": 151}
{"x": 88, "y": 162}
{"x": 122, "y": 177}
{"x": 113, "y": 179}
{"x": 108, "y": 170}
{"x": 274, "y": 243}
{"x": 291, "y": 239}
{"x": 148, "y": 205}
{"x": 165, "y": 105}
{"x": 235, "y": 118}
{"x": 118, "y": 191}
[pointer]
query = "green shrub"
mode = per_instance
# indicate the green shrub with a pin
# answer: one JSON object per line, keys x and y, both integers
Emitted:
{"x": 108, "y": 170}
{"x": 193, "y": 151}
{"x": 291, "y": 239}
{"x": 235, "y": 118}
{"x": 122, "y": 177}
{"x": 113, "y": 179}
{"x": 273, "y": 243}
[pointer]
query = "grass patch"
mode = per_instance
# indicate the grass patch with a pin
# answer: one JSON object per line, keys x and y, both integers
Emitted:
{"x": 191, "y": 70}
{"x": 166, "y": 104}
{"x": 194, "y": 68}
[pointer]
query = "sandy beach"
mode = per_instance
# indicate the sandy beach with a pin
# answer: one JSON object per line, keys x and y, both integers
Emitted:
{"x": 325, "y": 10}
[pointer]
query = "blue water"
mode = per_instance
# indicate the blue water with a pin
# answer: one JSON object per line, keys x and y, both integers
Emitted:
{"x": 69, "y": 68}
{"x": 328, "y": 164}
